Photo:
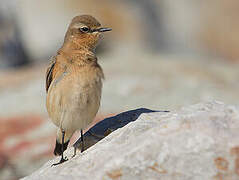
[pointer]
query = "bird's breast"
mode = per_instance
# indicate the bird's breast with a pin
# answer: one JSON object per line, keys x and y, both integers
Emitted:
{"x": 74, "y": 94}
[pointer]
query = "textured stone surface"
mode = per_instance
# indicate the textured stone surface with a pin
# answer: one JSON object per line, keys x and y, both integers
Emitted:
{"x": 108, "y": 125}
{"x": 196, "y": 142}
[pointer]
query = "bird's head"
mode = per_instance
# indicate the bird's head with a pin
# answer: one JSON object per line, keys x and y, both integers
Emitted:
{"x": 85, "y": 31}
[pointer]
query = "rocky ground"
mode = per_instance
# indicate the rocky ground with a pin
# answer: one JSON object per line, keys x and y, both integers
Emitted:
{"x": 133, "y": 80}
{"x": 195, "y": 142}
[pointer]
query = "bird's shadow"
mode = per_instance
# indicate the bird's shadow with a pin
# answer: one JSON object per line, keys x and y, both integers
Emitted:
{"x": 108, "y": 125}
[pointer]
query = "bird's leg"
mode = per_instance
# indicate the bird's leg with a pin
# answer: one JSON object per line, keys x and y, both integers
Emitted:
{"x": 74, "y": 152}
{"x": 82, "y": 140}
{"x": 62, "y": 147}
{"x": 62, "y": 150}
{"x": 76, "y": 145}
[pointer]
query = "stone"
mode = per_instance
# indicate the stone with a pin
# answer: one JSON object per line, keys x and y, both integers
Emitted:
{"x": 108, "y": 125}
{"x": 196, "y": 142}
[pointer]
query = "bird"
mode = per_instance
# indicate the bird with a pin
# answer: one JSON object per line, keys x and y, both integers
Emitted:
{"x": 74, "y": 81}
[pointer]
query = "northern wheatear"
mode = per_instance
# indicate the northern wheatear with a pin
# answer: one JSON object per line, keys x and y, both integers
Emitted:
{"x": 74, "y": 81}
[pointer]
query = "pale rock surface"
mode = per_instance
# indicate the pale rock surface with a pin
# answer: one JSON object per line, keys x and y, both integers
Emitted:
{"x": 194, "y": 143}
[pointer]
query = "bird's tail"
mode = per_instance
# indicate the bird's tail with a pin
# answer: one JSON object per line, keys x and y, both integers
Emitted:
{"x": 58, "y": 147}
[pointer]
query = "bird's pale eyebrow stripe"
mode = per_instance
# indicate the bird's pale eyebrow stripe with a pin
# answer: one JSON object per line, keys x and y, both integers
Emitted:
{"x": 78, "y": 25}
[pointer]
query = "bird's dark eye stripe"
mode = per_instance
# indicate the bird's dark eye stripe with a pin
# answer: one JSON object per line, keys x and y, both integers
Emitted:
{"x": 94, "y": 30}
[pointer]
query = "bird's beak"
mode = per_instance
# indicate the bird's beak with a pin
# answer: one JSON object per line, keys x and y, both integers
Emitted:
{"x": 104, "y": 29}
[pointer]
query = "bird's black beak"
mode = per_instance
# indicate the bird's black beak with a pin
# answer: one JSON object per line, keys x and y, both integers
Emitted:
{"x": 104, "y": 29}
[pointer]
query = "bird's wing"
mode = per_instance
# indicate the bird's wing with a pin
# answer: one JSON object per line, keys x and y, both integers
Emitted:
{"x": 49, "y": 72}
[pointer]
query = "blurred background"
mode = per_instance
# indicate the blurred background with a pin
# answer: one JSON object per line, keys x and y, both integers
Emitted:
{"x": 161, "y": 54}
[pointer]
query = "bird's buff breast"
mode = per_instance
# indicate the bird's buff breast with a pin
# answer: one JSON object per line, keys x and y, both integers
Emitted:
{"x": 73, "y": 100}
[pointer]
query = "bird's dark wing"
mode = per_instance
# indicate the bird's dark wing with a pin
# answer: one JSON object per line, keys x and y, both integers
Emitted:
{"x": 49, "y": 73}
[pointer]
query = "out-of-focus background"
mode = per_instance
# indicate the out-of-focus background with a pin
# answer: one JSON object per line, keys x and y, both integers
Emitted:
{"x": 161, "y": 54}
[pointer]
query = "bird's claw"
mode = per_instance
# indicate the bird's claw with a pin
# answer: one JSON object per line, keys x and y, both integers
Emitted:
{"x": 60, "y": 162}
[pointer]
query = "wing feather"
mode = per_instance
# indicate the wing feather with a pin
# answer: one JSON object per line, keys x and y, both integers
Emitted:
{"x": 49, "y": 73}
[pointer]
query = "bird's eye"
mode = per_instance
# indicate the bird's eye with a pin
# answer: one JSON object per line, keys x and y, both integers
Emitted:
{"x": 84, "y": 29}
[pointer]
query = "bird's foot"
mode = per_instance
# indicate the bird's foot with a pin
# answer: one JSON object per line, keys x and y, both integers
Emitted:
{"x": 73, "y": 156}
{"x": 60, "y": 162}
{"x": 75, "y": 149}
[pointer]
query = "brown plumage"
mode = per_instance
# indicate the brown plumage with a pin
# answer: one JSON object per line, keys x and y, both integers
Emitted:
{"x": 74, "y": 80}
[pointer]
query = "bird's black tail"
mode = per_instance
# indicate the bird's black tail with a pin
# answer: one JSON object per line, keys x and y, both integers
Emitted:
{"x": 58, "y": 148}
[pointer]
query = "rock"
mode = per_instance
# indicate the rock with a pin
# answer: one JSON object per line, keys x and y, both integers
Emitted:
{"x": 195, "y": 142}
{"x": 108, "y": 125}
